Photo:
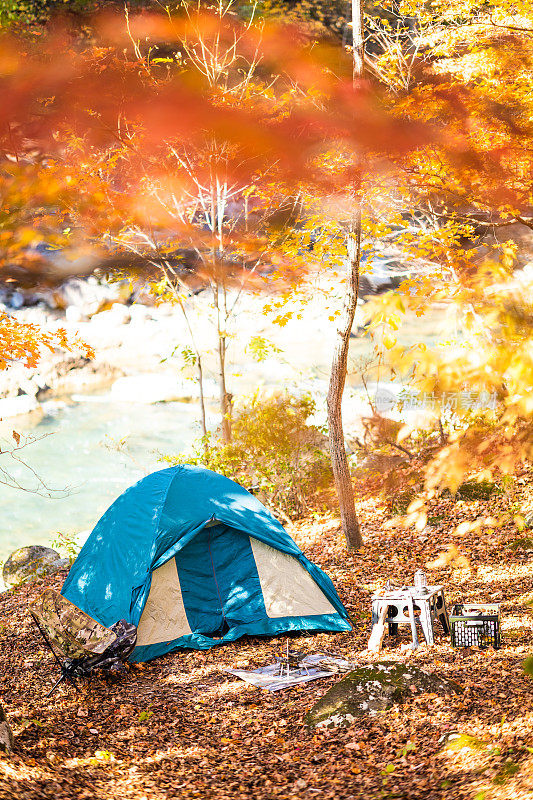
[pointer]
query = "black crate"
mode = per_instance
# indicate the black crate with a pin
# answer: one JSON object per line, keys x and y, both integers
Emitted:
{"x": 475, "y": 625}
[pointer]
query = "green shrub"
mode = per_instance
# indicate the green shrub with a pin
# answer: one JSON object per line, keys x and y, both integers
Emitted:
{"x": 38, "y": 12}
{"x": 273, "y": 450}
{"x": 23, "y": 11}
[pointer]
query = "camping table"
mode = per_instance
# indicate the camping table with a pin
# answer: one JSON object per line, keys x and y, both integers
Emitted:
{"x": 407, "y": 604}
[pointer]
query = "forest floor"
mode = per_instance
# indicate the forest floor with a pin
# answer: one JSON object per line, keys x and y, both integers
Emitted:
{"x": 180, "y": 726}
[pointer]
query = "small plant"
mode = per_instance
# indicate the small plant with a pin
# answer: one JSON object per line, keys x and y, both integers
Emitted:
{"x": 145, "y": 715}
{"x": 24, "y": 723}
{"x": 104, "y": 755}
{"x": 67, "y": 544}
{"x": 38, "y": 11}
{"x": 528, "y": 666}
{"x": 408, "y": 748}
{"x": 507, "y": 771}
{"x": 399, "y": 503}
{"x": 464, "y": 741}
{"x": 101, "y": 756}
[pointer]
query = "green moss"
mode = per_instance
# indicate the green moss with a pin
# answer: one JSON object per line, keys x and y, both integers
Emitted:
{"x": 372, "y": 689}
{"x": 523, "y": 543}
{"x": 460, "y": 741}
{"x": 507, "y": 771}
{"x": 477, "y": 490}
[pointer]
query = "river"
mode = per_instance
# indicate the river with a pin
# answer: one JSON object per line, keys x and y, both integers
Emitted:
{"x": 77, "y": 453}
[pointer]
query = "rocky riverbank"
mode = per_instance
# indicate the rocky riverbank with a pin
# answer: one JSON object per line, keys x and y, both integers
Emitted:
{"x": 139, "y": 348}
{"x": 132, "y": 344}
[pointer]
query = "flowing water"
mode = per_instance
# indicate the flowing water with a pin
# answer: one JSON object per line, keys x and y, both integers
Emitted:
{"x": 78, "y": 455}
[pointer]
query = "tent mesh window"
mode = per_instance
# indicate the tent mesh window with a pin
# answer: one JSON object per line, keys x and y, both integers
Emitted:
{"x": 475, "y": 626}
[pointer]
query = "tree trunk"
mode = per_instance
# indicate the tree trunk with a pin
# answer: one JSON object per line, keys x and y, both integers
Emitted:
{"x": 339, "y": 462}
{"x": 202, "y": 398}
{"x": 225, "y": 397}
{"x": 199, "y": 370}
{"x": 358, "y": 52}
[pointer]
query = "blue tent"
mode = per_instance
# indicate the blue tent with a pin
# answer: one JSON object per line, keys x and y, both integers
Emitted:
{"x": 194, "y": 560}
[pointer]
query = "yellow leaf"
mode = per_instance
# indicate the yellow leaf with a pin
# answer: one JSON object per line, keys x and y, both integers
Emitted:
{"x": 389, "y": 340}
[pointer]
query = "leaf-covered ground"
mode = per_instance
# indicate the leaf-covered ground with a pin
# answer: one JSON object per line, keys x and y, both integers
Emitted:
{"x": 181, "y": 727}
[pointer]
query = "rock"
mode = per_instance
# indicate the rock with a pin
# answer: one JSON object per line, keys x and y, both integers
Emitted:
{"x": 382, "y": 273}
{"x": 27, "y": 386}
{"x": 88, "y": 295}
{"x": 16, "y": 300}
{"x": 6, "y": 734}
{"x": 75, "y": 314}
{"x": 139, "y": 313}
{"x": 372, "y": 689}
{"x": 76, "y": 374}
{"x": 157, "y": 388}
{"x": 477, "y": 490}
{"x": 28, "y": 564}
{"x": 116, "y": 315}
{"x": 18, "y": 406}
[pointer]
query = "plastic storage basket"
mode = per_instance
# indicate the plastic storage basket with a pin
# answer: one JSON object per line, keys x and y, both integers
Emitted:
{"x": 475, "y": 625}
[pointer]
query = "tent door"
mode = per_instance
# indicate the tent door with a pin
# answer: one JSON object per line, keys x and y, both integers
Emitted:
{"x": 219, "y": 582}
{"x": 199, "y": 587}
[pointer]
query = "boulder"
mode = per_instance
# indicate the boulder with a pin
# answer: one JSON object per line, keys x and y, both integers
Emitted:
{"x": 18, "y": 406}
{"x": 89, "y": 295}
{"x": 16, "y": 300}
{"x": 371, "y": 690}
{"x": 139, "y": 313}
{"x": 28, "y": 564}
{"x": 75, "y": 314}
{"x": 158, "y": 388}
{"x": 116, "y": 315}
{"x": 74, "y": 374}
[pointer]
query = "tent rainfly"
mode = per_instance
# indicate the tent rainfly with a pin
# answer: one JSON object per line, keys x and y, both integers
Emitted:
{"x": 194, "y": 560}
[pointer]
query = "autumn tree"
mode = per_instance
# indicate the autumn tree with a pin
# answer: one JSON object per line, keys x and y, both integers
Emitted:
{"x": 339, "y": 461}
{"x": 467, "y": 68}
{"x": 208, "y": 210}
